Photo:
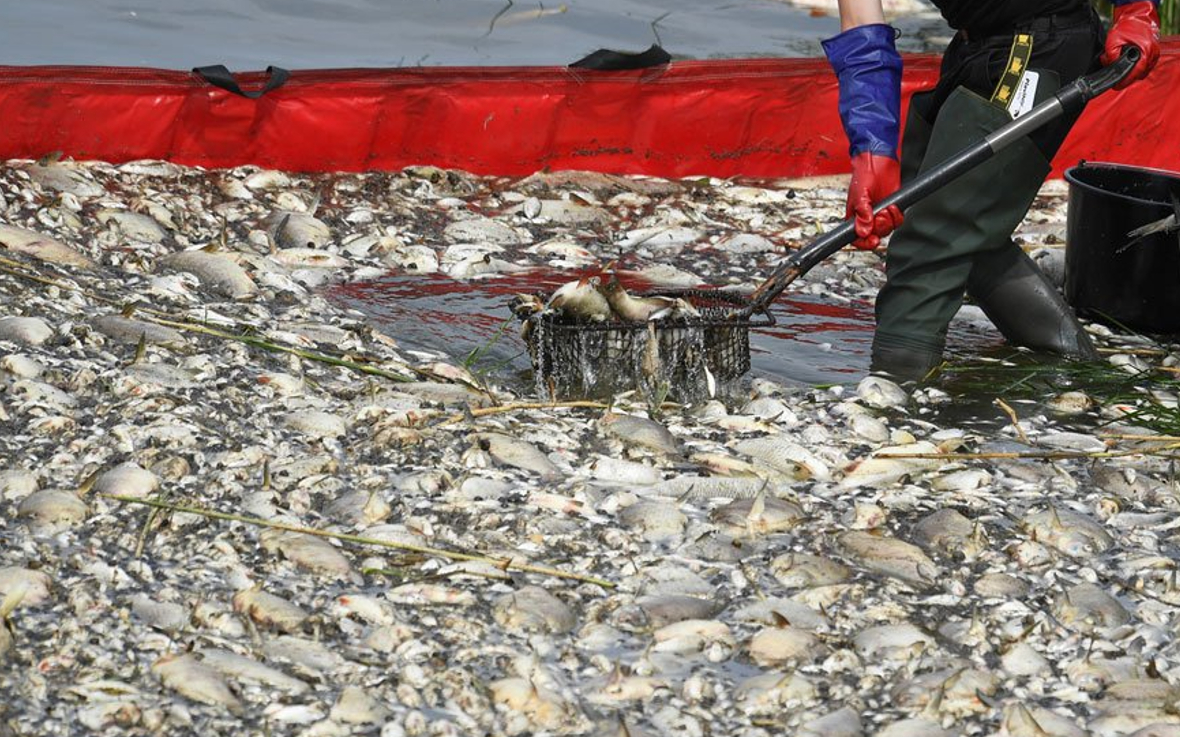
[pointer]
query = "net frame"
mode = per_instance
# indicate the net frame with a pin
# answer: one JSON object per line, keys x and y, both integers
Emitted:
{"x": 685, "y": 358}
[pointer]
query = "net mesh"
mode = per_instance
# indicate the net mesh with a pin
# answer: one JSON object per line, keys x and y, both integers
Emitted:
{"x": 680, "y": 358}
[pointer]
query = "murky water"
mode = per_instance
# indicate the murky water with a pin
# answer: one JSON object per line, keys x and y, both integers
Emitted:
{"x": 814, "y": 342}
{"x": 302, "y": 34}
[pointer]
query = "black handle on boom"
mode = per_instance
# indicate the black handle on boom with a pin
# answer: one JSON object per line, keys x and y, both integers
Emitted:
{"x": 1071, "y": 98}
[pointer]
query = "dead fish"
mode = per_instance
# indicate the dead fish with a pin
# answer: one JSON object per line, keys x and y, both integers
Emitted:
{"x": 308, "y": 258}
{"x": 21, "y": 367}
{"x": 580, "y": 300}
{"x": 27, "y": 587}
{"x": 1036, "y": 721}
{"x": 249, "y": 669}
{"x": 311, "y": 655}
{"x": 623, "y": 472}
{"x": 299, "y": 230}
{"x": 191, "y": 678}
{"x": 1072, "y": 533}
{"x": 51, "y": 173}
{"x": 418, "y": 594}
{"x": 948, "y": 532}
{"x": 640, "y": 431}
{"x": 357, "y": 706}
{"x": 134, "y": 226}
{"x": 534, "y": 609}
{"x": 712, "y": 487}
{"x": 899, "y": 641}
{"x": 482, "y": 230}
{"x": 263, "y": 179}
{"x": 758, "y": 516}
{"x": 802, "y": 570}
{"x": 563, "y": 250}
{"x": 882, "y": 471}
{"x": 890, "y": 557}
{"x": 127, "y": 479}
{"x": 42, "y": 247}
{"x": 1071, "y": 403}
{"x": 53, "y": 507}
{"x": 658, "y": 521}
{"x": 27, "y": 330}
{"x": 10, "y": 601}
{"x": 692, "y": 636}
{"x": 785, "y": 647}
{"x": 784, "y": 455}
{"x": 367, "y": 608}
{"x": 517, "y": 453}
{"x": 1000, "y": 585}
{"x": 544, "y": 709}
{"x": 16, "y": 484}
{"x": 216, "y": 271}
{"x": 312, "y": 553}
{"x": 1087, "y": 607}
{"x": 162, "y": 615}
{"x": 723, "y": 464}
{"x": 641, "y": 309}
{"x": 653, "y": 612}
{"x": 131, "y": 331}
{"x": 315, "y": 424}
{"x": 269, "y": 610}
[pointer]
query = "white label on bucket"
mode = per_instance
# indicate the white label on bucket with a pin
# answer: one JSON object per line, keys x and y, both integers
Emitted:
{"x": 1026, "y": 94}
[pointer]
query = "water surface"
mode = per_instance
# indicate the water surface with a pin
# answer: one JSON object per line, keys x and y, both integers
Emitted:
{"x": 303, "y": 34}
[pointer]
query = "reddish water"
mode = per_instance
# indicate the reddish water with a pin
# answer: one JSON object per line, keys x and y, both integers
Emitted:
{"x": 814, "y": 342}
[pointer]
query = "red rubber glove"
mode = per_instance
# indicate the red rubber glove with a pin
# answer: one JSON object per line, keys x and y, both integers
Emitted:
{"x": 1134, "y": 24}
{"x": 874, "y": 177}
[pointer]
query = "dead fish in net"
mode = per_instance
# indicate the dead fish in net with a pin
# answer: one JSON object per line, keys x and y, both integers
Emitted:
{"x": 581, "y": 300}
{"x": 640, "y": 309}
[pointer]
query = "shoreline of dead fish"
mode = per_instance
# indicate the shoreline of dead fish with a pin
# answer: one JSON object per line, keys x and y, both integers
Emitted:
{"x": 815, "y": 561}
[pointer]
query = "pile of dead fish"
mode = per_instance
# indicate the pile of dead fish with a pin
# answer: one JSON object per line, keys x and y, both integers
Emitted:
{"x": 801, "y": 561}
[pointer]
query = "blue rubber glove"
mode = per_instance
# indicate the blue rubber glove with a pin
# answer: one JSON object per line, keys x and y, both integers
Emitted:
{"x": 868, "y": 68}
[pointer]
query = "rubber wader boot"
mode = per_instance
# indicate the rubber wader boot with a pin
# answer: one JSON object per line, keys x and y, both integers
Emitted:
{"x": 899, "y": 361}
{"x": 1021, "y": 301}
{"x": 931, "y": 256}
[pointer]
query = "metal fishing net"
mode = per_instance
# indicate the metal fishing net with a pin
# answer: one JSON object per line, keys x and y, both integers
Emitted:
{"x": 682, "y": 358}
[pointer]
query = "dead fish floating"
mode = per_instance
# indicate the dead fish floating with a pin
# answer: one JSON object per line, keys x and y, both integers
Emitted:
{"x": 590, "y": 300}
{"x": 581, "y": 300}
{"x": 626, "y": 306}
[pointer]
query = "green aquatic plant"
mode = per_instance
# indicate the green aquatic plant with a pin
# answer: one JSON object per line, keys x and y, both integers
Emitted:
{"x": 1144, "y": 396}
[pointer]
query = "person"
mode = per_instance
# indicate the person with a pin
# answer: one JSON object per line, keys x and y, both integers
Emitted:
{"x": 1006, "y": 56}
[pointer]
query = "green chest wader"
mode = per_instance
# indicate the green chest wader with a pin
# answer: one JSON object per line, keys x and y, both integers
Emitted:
{"x": 959, "y": 240}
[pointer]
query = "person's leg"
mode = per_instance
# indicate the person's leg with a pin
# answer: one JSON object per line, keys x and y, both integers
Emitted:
{"x": 961, "y": 234}
{"x": 900, "y": 360}
{"x": 930, "y": 256}
{"x": 1024, "y": 305}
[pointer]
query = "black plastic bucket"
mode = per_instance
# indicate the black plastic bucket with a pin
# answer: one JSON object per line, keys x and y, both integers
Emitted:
{"x": 1107, "y": 278}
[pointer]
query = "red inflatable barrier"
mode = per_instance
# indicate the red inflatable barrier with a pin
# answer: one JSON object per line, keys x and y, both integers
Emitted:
{"x": 758, "y": 118}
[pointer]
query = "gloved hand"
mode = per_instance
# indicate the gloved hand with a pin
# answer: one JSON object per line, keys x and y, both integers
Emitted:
{"x": 868, "y": 68}
{"x": 1135, "y": 23}
{"x": 874, "y": 178}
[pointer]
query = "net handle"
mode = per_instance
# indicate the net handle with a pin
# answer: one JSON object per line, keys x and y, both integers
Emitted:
{"x": 1071, "y": 98}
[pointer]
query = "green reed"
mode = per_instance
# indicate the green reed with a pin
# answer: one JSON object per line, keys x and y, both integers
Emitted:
{"x": 1142, "y": 397}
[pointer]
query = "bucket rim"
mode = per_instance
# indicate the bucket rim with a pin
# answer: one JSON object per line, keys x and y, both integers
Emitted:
{"x": 1164, "y": 173}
